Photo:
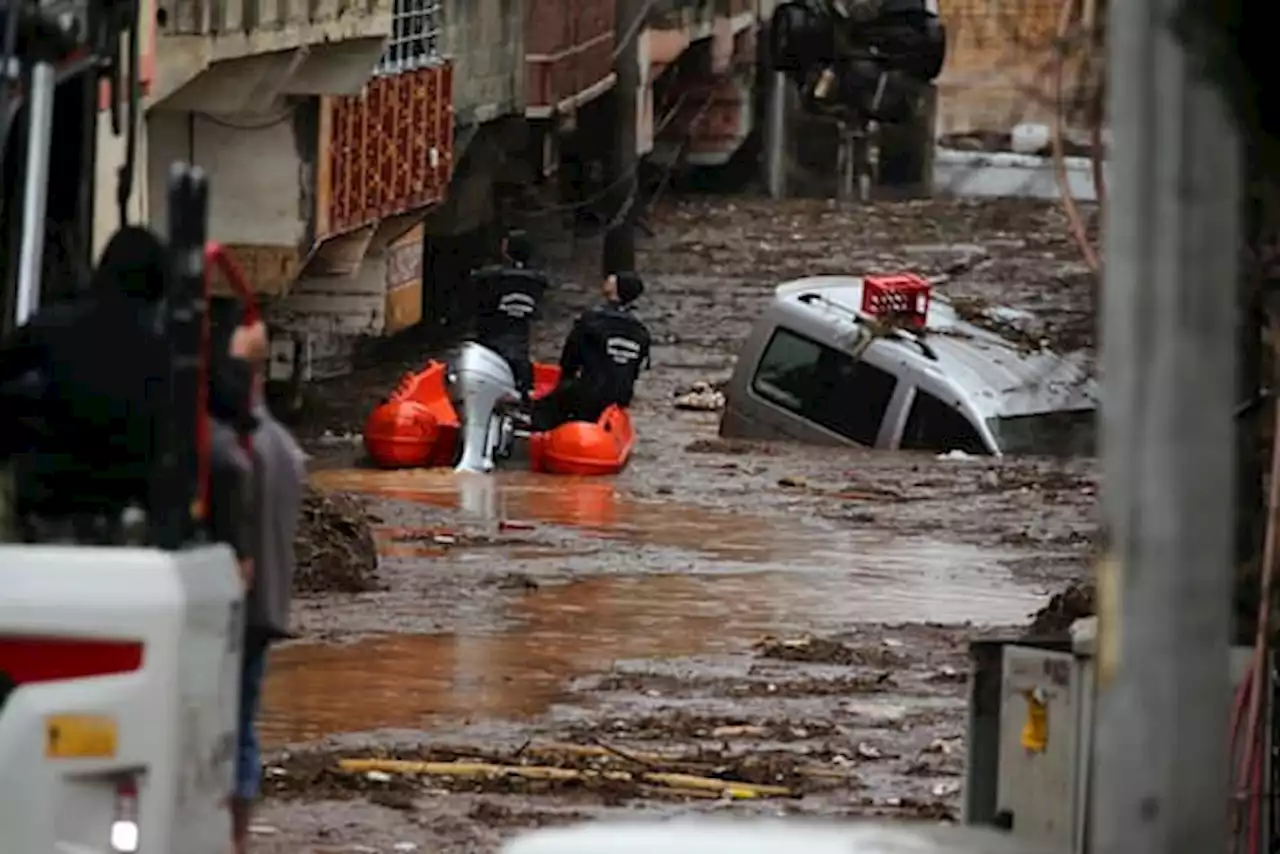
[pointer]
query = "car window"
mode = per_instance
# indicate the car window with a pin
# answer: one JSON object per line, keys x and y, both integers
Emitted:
{"x": 934, "y": 426}
{"x": 825, "y": 386}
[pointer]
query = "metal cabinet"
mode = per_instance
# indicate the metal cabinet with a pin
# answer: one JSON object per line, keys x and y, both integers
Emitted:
{"x": 1030, "y": 738}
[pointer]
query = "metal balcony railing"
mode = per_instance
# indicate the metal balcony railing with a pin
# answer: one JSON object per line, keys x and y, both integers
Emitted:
{"x": 416, "y": 41}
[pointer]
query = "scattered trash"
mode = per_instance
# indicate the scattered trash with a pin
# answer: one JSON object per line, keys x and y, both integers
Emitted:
{"x": 405, "y": 846}
{"x": 330, "y": 439}
{"x": 444, "y": 539}
{"x": 793, "y": 482}
{"x": 702, "y": 397}
{"x": 957, "y": 455}
{"x": 869, "y": 751}
{"x": 263, "y": 830}
{"x": 947, "y": 673}
{"x": 945, "y": 789}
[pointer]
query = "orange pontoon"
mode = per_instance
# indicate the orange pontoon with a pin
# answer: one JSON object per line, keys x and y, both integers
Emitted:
{"x": 417, "y": 426}
{"x": 580, "y": 447}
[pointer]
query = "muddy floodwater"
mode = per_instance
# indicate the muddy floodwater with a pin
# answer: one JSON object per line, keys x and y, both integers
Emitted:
{"x": 787, "y": 618}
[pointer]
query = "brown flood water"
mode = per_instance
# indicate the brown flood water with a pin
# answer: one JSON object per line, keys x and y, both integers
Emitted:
{"x": 743, "y": 576}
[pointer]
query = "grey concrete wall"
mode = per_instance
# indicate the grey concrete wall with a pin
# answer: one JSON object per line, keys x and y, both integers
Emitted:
{"x": 255, "y": 175}
{"x": 485, "y": 39}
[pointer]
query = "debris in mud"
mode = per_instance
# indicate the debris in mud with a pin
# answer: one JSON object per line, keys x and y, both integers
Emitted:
{"x": 496, "y": 815}
{"x": 616, "y": 775}
{"x": 517, "y": 581}
{"x": 755, "y": 685}
{"x": 1074, "y": 603}
{"x": 334, "y": 545}
{"x": 851, "y": 492}
{"x": 680, "y": 783}
{"x": 734, "y": 447}
{"x": 811, "y": 650}
{"x": 702, "y": 397}
{"x": 910, "y": 808}
{"x": 686, "y": 726}
{"x": 1007, "y": 477}
{"x": 947, "y": 673}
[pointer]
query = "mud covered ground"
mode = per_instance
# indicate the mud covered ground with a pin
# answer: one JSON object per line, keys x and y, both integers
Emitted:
{"x": 725, "y": 626}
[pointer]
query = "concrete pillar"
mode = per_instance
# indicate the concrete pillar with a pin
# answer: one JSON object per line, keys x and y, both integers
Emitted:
{"x": 775, "y": 135}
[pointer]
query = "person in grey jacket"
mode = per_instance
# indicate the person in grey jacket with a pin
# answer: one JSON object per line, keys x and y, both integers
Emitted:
{"x": 279, "y": 476}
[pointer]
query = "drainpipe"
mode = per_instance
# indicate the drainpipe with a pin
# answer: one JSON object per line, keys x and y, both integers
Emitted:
{"x": 1168, "y": 358}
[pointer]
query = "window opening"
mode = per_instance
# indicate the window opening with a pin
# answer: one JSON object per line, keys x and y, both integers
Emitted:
{"x": 415, "y": 40}
{"x": 824, "y": 385}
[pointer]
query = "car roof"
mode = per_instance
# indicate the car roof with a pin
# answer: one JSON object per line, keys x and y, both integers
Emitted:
{"x": 1000, "y": 378}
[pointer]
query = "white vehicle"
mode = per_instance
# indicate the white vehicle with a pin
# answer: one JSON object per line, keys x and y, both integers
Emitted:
{"x": 119, "y": 679}
{"x": 819, "y": 366}
{"x": 765, "y": 836}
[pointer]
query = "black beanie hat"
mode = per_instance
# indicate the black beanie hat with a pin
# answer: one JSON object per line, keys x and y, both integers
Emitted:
{"x": 630, "y": 287}
{"x": 134, "y": 263}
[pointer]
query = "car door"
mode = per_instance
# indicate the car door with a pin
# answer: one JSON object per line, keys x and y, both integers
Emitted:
{"x": 933, "y": 424}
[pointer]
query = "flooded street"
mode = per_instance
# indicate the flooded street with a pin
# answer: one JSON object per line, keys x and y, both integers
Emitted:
{"x": 791, "y": 618}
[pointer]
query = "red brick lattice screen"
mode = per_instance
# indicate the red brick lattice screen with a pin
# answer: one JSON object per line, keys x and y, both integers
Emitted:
{"x": 387, "y": 152}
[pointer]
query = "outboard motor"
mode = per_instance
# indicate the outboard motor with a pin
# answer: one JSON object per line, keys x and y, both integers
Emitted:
{"x": 483, "y": 385}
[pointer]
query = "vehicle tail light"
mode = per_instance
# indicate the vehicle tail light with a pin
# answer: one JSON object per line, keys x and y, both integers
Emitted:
{"x": 124, "y": 822}
{"x": 27, "y": 660}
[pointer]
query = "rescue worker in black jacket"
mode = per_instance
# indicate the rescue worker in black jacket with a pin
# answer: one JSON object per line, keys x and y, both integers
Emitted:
{"x": 86, "y": 376}
{"x": 508, "y": 301}
{"x": 602, "y": 357}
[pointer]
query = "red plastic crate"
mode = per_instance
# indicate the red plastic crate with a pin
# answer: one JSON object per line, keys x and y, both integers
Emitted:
{"x": 903, "y": 298}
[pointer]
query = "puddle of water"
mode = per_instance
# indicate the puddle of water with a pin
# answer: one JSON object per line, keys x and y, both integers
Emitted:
{"x": 778, "y": 575}
{"x": 559, "y": 633}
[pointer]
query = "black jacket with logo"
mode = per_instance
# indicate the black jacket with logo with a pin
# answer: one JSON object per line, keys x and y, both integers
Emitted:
{"x": 605, "y": 351}
{"x": 507, "y": 301}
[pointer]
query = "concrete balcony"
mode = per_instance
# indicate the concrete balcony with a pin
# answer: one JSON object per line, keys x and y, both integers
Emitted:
{"x": 242, "y": 56}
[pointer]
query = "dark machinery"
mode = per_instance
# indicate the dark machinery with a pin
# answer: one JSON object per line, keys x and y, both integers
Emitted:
{"x": 859, "y": 61}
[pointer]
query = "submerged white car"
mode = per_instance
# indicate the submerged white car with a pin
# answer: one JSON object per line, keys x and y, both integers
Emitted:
{"x": 822, "y": 365}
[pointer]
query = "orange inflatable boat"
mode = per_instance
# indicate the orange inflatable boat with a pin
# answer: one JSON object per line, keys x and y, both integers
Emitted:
{"x": 417, "y": 426}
